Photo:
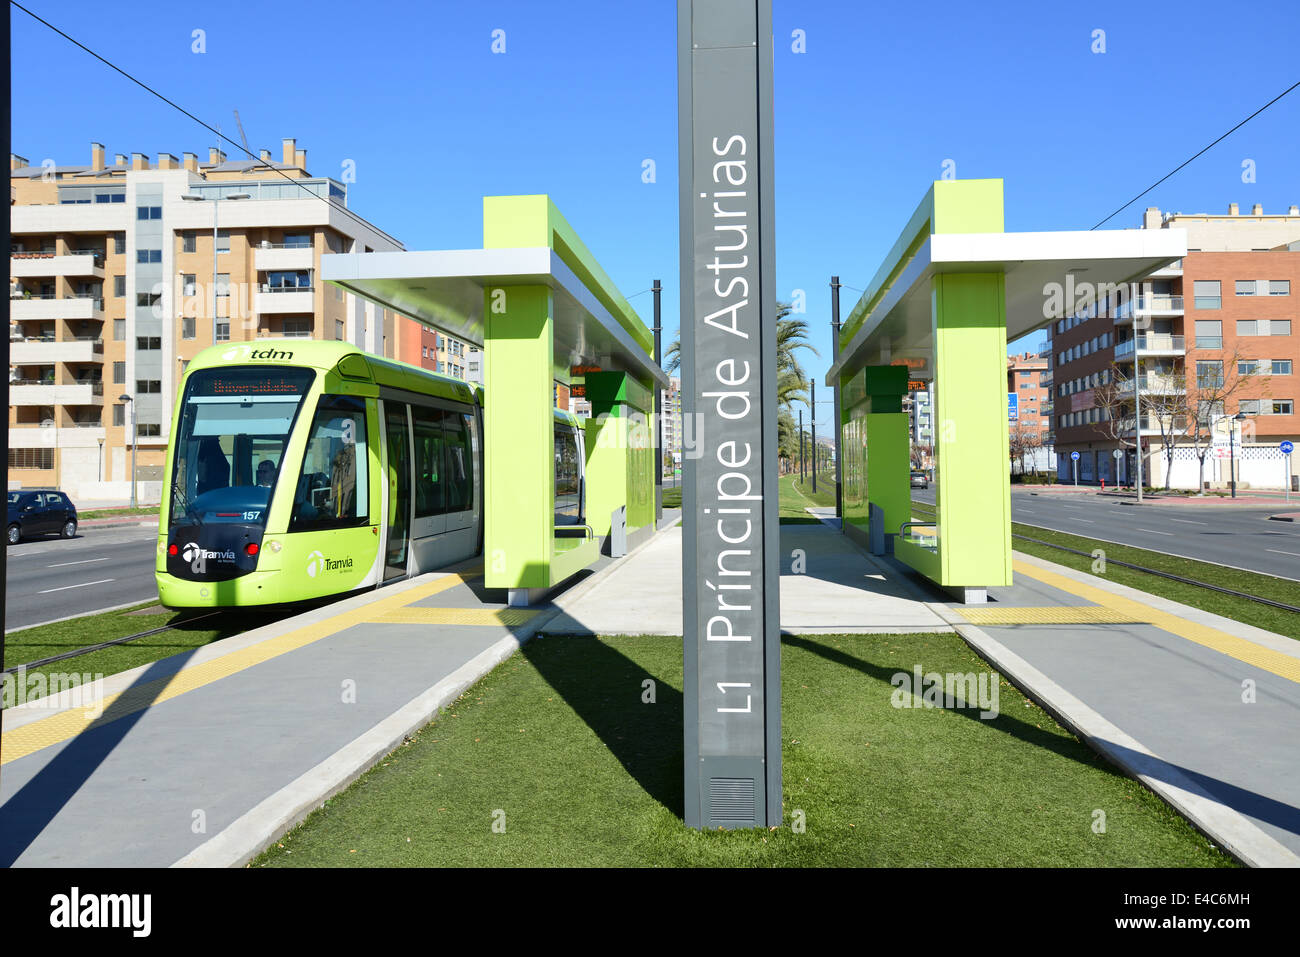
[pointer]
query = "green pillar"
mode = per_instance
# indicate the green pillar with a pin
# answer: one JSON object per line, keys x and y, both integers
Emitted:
{"x": 518, "y": 440}
{"x": 973, "y": 484}
{"x": 620, "y": 454}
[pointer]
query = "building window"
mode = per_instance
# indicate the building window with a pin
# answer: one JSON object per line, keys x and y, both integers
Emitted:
{"x": 187, "y": 327}
{"x": 148, "y": 429}
{"x": 119, "y": 373}
{"x": 223, "y": 332}
{"x": 338, "y": 329}
{"x": 119, "y": 243}
{"x": 297, "y": 240}
{"x": 144, "y": 256}
{"x": 1209, "y": 334}
{"x": 189, "y": 284}
{"x": 148, "y": 300}
{"x": 1248, "y": 406}
{"x": 1249, "y": 366}
{"x": 1209, "y": 374}
{"x": 148, "y": 212}
{"x": 1279, "y": 287}
{"x": 148, "y": 386}
{"x": 1206, "y": 293}
{"x": 119, "y": 286}
{"x": 223, "y": 240}
{"x": 148, "y": 342}
{"x": 1248, "y": 287}
{"x": 223, "y": 284}
{"x": 296, "y": 328}
{"x": 31, "y": 458}
{"x": 189, "y": 243}
{"x": 119, "y": 330}
{"x": 1282, "y": 407}
{"x": 1280, "y": 367}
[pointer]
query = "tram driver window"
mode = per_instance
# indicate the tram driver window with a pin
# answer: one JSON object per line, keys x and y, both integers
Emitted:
{"x": 332, "y": 491}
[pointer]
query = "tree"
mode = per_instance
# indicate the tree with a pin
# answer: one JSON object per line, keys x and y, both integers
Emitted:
{"x": 1205, "y": 401}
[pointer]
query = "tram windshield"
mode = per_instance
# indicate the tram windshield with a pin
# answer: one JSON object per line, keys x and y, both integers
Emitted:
{"x": 234, "y": 427}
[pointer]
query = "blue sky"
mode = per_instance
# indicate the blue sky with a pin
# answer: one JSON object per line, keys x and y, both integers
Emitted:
{"x": 411, "y": 92}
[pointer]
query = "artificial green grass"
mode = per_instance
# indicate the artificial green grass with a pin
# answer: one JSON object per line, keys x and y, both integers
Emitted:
{"x": 557, "y": 743}
{"x": 44, "y": 641}
{"x": 672, "y": 497}
{"x": 1244, "y": 610}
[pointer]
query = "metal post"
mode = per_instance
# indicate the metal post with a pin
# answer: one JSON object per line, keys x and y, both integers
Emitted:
{"x": 6, "y": 137}
{"x": 135, "y": 440}
{"x": 801, "y": 446}
{"x": 1232, "y": 455}
{"x": 835, "y": 426}
{"x": 216, "y": 206}
{"x": 812, "y": 412}
{"x": 1137, "y": 403}
{"x": 656, "y": 289}
{"x": 100, "y": 476}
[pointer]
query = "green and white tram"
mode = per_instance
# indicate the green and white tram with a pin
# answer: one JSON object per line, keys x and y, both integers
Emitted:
{"x": 298, "y": 470}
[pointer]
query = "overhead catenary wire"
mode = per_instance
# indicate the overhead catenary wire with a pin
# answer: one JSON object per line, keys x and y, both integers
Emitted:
{"x": 207, "y": 126}
{"x": 1200, "y": 153}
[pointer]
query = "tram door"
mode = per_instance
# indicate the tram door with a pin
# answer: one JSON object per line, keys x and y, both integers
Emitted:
{"x": 398, "y": 475}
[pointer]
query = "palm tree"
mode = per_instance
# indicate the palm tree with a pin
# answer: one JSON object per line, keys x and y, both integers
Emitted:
{"x": 791, "y": 336}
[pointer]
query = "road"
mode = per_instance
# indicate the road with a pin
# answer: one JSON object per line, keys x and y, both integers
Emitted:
{"x": 1236, "y": 535}
{"x": 53, "y": 578}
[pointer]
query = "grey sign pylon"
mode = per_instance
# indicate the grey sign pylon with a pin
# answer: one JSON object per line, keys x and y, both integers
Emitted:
{"x": 730, "y": 567}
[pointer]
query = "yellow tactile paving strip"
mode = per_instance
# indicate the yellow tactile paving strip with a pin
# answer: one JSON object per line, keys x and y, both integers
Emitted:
{"x": 1053, "y": 615}
{"x": 1128, "y": 610}
{"x": 60, "y": 727}
{"x": 456, "y": 616}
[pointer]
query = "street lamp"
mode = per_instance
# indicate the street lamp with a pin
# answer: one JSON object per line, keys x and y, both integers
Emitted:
{"x": 127, "y": 400}
{"x": 1232, "y": 450}
{"x": 216, "y": 207}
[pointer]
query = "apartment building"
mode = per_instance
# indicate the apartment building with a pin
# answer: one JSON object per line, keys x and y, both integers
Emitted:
{"x": 430, "y": 349}
{"x": 1029, "y": 422}
{"x": 122, "y": 272}
{"x": 1211, "y": 344}
{"x": 670, "y": 419}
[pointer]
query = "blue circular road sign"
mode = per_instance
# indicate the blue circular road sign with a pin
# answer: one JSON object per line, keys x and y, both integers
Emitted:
{"x": 1288, "y": 447}
{"x": 1075, "y": 456}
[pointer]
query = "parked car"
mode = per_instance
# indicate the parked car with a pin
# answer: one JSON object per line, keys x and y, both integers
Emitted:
{"x": 43, "y": 511}
{"x": 920, "y": 479}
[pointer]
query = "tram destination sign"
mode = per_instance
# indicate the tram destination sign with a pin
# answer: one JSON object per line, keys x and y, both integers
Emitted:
{"x": 730, "y": 562}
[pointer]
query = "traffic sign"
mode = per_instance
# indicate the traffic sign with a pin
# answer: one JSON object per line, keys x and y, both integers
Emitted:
{"x": 1117, "y": 453}
{"x": 1013, "y": 406}
{"x": 1288, "y": 447}
{"x": 1074, "y": 456}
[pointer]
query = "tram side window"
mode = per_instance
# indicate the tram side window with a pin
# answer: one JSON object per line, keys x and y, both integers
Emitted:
{"x": 332, "y": 487}
{"x": 459, "y": 462}
{"x": 430, "y": 493}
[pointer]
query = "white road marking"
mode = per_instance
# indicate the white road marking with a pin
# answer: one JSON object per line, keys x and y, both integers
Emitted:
{"x": 84, "y": 561}
{"x": 102, "y": 581}
{"x": 1088, "y": 520}
{"x": 1186, "y": 521}
{"x": 1154, "y": 532}
{"x": 1280, "y": 552}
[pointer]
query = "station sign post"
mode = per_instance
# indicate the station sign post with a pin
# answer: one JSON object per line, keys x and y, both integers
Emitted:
{"x": 1287, "y": 448}
{"x": 730, "y": 562}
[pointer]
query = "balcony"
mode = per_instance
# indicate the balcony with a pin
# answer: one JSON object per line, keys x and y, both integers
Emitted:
{"x": 1172, "y": 271}
{"x": 43, "y": 307}
{"x": 45, "y": 351}
{"x": 1151, "y": 426}
{"x": 41, "y": 392}
{"x": 1149, "y": 305}
{"x": 81, "y": 436}
{"x": 283, "y": 299}
{"x": 272, "y": 257}
{"x": 1153, "y": 385}
{"x": 79, "y": 262}
{"x": 1152, "y": 344}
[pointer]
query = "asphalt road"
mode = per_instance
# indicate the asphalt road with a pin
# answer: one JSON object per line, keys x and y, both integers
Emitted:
{"x": 53, "y": 578}
{"x": 1236, "y": 535}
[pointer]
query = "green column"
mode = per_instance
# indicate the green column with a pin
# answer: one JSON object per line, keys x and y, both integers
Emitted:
{"x": 518, "y": 441}
{"x": 973, "y": 484}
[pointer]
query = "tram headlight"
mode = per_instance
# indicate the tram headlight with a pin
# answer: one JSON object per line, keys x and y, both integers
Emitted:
{"x": 274, "y": 545}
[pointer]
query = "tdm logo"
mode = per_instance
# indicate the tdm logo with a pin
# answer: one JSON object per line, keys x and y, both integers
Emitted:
{"x": 192, "y": 552}
{"x": 248, "y": 352}
{"x": 318, "y": 563}
{"x": 103, "y": 910}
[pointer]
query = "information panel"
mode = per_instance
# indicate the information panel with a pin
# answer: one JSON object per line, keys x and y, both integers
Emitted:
{"x": 728, "y": 324}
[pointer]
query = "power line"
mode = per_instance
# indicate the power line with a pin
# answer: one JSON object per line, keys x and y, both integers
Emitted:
{"x": 144, "y": 86}
{"x": 1211, "y": 146}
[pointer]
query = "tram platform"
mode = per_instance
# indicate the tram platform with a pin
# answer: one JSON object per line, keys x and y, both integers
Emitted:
{"x": 202, "y": 759}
